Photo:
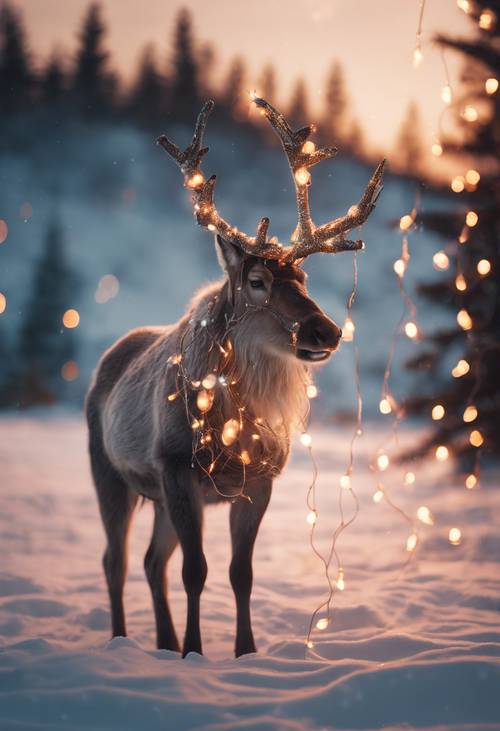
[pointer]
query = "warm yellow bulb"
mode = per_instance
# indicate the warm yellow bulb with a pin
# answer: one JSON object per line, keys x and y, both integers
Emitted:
{"x": 491, "y": 85}
{"x": 345, "y": 482}
{"x": 464, "y": 5}
{"x": 195, "y": 180}
{"x": 312, "y": 517}
{"x": 461, "y": 369}
{"x": 348, "y": 330}
{"x": 340, "y": 580}
{"x": 476, "y": 438}
{"x": 471, "y": 218}
{"x": 425, "y": 515}
{"x": 209, "y": 381}
{"x": 409, "y": 478}
{"x": 470, "y": 481}
{"x": 411, "y": 330}
{"x": 438, "y": 412}
{"x": 458, "y": 184}
{"x": 230, "y": 432}
{"x": 382, "y": 462}
{"x": 417, "y": 57}
{"x": 464, "y": 320}
{"x": 322, "y": 623}
{"x": 405, "y": 222}
{"x": 377, "y": 496}
{"x": 487, "y": 19}
{"x": 302, "y": 176}
{"x": 308, "y": 147}
{"x": 411, "y": 542}
{"x": 399, "y": 267}
{"x": 455, "y": 536}
{"x": 470, "y": 113}
{"x": 483, "y": 267}
{"x": 309, "y": 644}
{"x": 440, "y": 260}
{"x": 3, "y": 303}
{"x": 437, "y": 149}
{"x": 385, "y": 406}
{"x": 245, "y": 457}
{"x": 470, "y": 414}
{"x": 446, "y": 94}
{"x": 305, "y": 439}
{"x": 442, "y": 453}
{"x": 472, "y": 176}
{"x": 460, "y": 283}
{"x": 311, "y": 391}
{"x": 205, "y": 400}
{"x": 71, "y": 319}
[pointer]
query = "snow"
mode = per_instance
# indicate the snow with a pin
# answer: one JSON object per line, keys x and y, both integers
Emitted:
{"x": 408, "y": 647}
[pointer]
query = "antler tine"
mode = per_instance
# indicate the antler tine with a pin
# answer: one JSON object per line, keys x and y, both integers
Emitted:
{"x": 307, "y": 238}
{"x": 206, "y": 213}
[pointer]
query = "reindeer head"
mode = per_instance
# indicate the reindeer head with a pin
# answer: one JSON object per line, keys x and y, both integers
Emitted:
{"x": 264, "y": 276}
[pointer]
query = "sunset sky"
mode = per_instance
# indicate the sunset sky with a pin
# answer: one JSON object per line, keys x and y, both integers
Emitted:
{"x": 373, "y": 40}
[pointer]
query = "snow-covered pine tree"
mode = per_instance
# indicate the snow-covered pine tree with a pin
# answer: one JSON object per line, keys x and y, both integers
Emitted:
{"x": 469, "y": 422}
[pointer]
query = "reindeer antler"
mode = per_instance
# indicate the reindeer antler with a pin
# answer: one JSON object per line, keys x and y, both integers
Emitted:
{"x": 301, "y": 154}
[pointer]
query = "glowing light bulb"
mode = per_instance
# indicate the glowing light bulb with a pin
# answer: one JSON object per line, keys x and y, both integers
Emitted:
{"x": 196, "y": 424}
{"x": 437, "y": 412}
{"x": 464, "y": 5}
{"x": 476, "y": 438}
{"x": 425, "y": 515}
{"x": 464, "y": 235}
{"x": 411, "y": 330}
{"x": 483, "y": 267}
{"x": 411, "y": 542}
{"x": 322, "y": 623}
{"x": 446, "y": 94}
{"x": 442, "y": 453}
{"x": 308, "y": 147}
{"x": 472, "y": 176}
{"x": 312, "y": 517}
{"x": 209, "y": 381}
{"x": 340, "y": 580}
{"x": 385, "y": 406}
{"x": 437, "y": 149}
{"x": 455, "y": 536}
{"x": 245, "y": 457}
{"x": 305, "y": 439}
{"x": 302, "y": 176}
{"x": 348, "y": 330}
{"x": 195, "y": 180}
{"x": 417, "y": 57}
{"x": 460, "y": 283}
{"x": 487, "y": 19}
{"x": 230, "y": 432}
{"x": 382, "y": 462}
{"x": 471, "y": 218}
{"x": 309, "y": 644}
{"x": 461, "y": 369}
{"x": 440, "y": 260}
{"x": 458, "y": 184}
{"x": 464, "y": 320}
{"x": 409, "y": 478}
{"x": 469, "y": 113}
{"x": 205, "y": 400}
{"x": 399, "y": 267}
{"x": 491, "y": 85}
{"x": 211, "y": 227}
{"x": 405, "y": 222}
{"x": 470, "y": 414}
{"x": 3, "y": 303}
{"x": 345, "y": 482}
{"x": 311, "y": 391}
{"x": 377, "y": 496}
{"x": 470, "y": 482}
{"x": 172, "y": 396}
{"x": 71, "y": 319}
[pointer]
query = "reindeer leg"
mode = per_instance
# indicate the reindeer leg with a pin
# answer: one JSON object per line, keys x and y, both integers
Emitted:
{"x": 245, "y": 520}
{"x": 163, "y": 542}
{"x": 184, "y": 503}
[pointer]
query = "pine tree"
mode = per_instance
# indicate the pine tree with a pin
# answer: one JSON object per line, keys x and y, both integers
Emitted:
{"x": 266, "y": 86}
{"x": 206, "y": 63}
{"x": 299, "y": 106}
{"x": 16, "y": 75}
{"x": 146, "y": 102}
{"x": 409, "y": 152}
{"x": 94, "y": 85}
{"x": 185, "y": 92}
{"x": 470, "y": 396}
{"x": 235, "y": 91}
{"x": 53, "y": 82}
{"x": 334, "y": 118}
{"x": 44, "y": 343}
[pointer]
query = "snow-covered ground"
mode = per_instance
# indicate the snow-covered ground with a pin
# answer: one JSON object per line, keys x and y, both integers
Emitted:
{"x": 414, "y": 647}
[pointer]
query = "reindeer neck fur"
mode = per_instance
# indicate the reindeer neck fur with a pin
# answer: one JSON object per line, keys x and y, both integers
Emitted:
{"x": 271, "y": 386}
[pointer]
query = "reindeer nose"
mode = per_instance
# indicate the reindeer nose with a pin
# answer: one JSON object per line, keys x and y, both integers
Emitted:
{"x": 321, "y": 332}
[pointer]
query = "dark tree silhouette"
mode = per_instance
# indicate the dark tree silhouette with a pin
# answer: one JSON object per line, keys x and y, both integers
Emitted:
{"x": 185, "y": 90}
{"x": 470, "y": 395}
{"x": 266, "y": 86}
{"x": 147, "y": 99}
{"x": 53, "y": 82}
{"x": 93, "y": 85}
{"x": 334, "y": 118}
{"x": 235, "y": 91}
{"x": 45, "y": 345}
{"x": 409, "y": 151}
{"x": 16, "y": 76}
{"x": 206, "y": 62}
{"x": 299, "y": 107}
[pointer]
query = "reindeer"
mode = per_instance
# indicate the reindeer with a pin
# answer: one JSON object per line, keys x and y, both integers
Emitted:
{"x": 202, "y": 411}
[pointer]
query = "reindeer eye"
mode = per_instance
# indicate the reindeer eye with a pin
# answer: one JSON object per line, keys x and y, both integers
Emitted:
{"x": 257, "y": 283}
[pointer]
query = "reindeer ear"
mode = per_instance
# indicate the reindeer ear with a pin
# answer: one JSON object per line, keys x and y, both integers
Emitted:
{"x": 229, "y": 256}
